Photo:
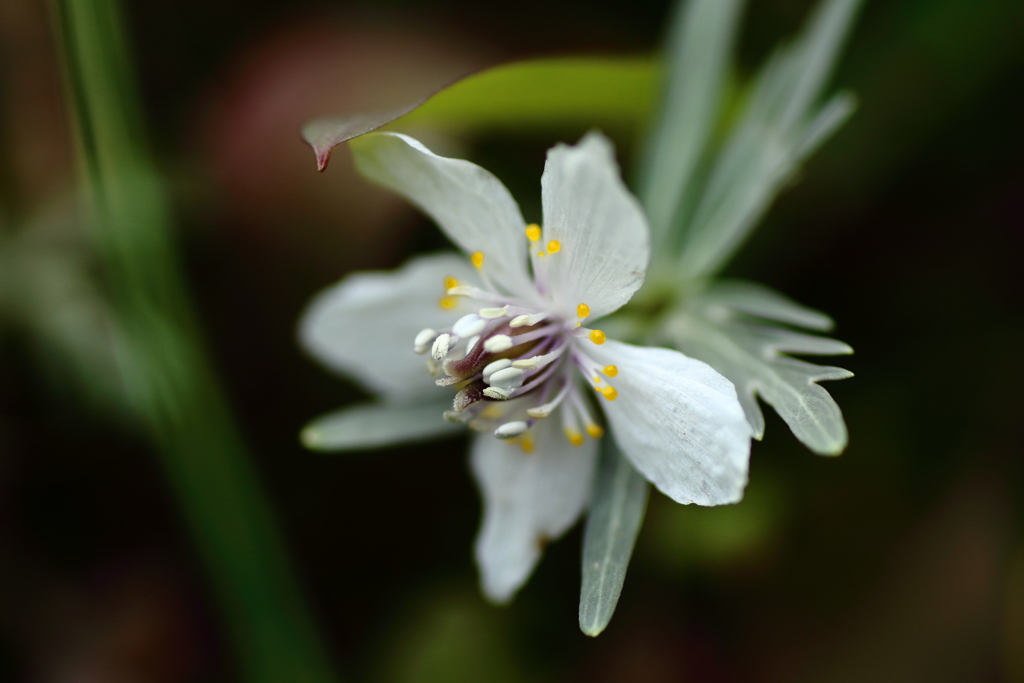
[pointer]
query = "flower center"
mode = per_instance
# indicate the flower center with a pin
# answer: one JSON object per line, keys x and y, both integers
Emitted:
{"x": 513, "y": 363}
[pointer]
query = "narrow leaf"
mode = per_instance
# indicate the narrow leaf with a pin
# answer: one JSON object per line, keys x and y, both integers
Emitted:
{"x": 620, "y": 497}
{"x": 582, "y": 92}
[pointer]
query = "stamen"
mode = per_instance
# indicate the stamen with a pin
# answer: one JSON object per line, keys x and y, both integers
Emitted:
{"x": 533, "y": 232}
{"x": 554, "y": 246}
{"x": 611, "y": 370}
{"x": 498, "y": 343}
{"x": 497, "y": 393}
{"x": 539, "y": 361}
{"x": 595, "y": 431}
{"x": 468, "y": 325}
{"x": 448, "y": 302}
{"x": 494, "y": 367}
{"x": 478, "y": 259}
{"x": 575, "y": 438}
{"x": 423, "y": 340}
{"x": 542, "y": 411}
{"x": 510, "y": 430}
{"x": 509, "y": 378}
{"x": 492, "y": 313}
{"x": 598, "y": 337}
{"x": 450, "y": 282}
{"x": 526, "y": 444}
{"x": 610, "y": 393}
{"x": 440, "y": 348}
{"x": 582, "y": 311}
{"x": 528, "y": 320}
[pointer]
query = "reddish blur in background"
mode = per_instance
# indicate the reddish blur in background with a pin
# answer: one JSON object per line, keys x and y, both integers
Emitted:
{"x": 901, "y": 561}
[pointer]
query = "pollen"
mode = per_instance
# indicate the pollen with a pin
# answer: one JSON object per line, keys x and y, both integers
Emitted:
{"x": 540, "y": 253}
{"x": 598, "y": 337}
{"x": 611, "y": 370}
{"x": 610, "y": 393}
{"x": 478, "y": 259}
{"x": 582, "y": 311}
{"x": 595, "y": 431}
{"x": 596, "y": 379}
{"x": 575, "y": 438}
{"x": 448, "y": 302}
{"x": 533, "y": 232}
{"x": 526, "y": 443}
{"x": 554, "y": 246}
{"x": 450, "y": 282}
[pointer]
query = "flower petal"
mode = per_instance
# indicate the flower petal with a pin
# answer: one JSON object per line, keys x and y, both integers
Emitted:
{"x": 365, "y": 325}
{"x": 529, "y": 499}
{"x": 472, "y": 206}
{"x": 679, "y": 422}
{"x": 603, "y": 233}
{"x": 378, "y": 425}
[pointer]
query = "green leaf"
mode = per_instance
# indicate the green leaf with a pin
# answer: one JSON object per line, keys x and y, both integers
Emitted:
{"x": 604, "y": 92}
{"x": 752, "y": 355}
{"x": 777, "y": 128}
{"x": 617, "y": 509}
{"x": 697, "y": 57}
{"x": 378, "y": 425}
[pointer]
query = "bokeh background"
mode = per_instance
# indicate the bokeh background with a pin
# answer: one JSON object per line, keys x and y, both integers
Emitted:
{"x": 902, "y": 560}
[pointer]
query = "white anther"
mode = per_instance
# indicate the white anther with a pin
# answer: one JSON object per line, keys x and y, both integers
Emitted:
{"x": 497, "y": 343}
{"x": 510, "y": 430}
{"x": 496, "y": 393}
{"x": 527, "y": 320}
{"x": 494, "y": 367}
{"x": 460, "y": 290}
{"x": 453, "y": 416}
{"x": 492, "y": 313}
{"x": 440, "y": 348}
{"x": 538, "y": 361}
{"x": 540, "y": 412}
{"x": 508, "y": 378}
{"x": 469, "y": 325}
{"x": 422, "y": 342}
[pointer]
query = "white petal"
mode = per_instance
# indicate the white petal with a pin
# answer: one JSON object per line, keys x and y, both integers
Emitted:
{"x": 529, "y": 498}
{"x": 373, "y": 425}
{"x": 472, "y": 206}
{"x": 605, "y": 241}
{"x": 365, "y": 325}
{"x": 679, "y": 422}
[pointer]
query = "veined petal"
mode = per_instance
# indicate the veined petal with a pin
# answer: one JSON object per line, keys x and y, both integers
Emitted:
{"x": 472, "y": 206}
{"x": 529, "y": 499}
{"x": 679, "y": 422}
{"x": 365, "y": 325}
{"x": 377, "y": 425}
{"x": 604, "y": 237}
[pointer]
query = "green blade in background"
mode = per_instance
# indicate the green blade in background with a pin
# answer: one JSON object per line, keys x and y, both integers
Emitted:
{"x": 168, "y": 375}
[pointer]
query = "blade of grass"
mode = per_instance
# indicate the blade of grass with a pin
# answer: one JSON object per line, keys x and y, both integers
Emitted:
{"x": 168, "y": 375}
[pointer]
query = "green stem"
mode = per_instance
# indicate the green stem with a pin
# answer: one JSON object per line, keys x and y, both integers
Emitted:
{"x": 169, "y": 378}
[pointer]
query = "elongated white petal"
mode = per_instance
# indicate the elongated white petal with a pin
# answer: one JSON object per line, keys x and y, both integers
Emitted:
{"x": 472, "y": 206}
{"x": 365, "y": 325}
{"x": 679, "y": 422}
{"x": 529, "y": 499}
{"x": 377, "y": 425}
{"x": 601, "y": 228}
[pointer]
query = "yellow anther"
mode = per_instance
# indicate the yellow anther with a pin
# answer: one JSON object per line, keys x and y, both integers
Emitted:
{"x": 598, "y": 337}
{"x": 447, "y": 302}
{"x": 596, "y": 378}
{"x": 554, "y": 246}
{"x": 610, "y": 393}
{"x": 575, "y": 438}
{"x": 582, "y": 311}
{"x": 526, "y": 443}
{"x": 611, "y": 370}
{"x": 450, "y": 282}
{"x": 478, "y": 259}
{"x": 595, "y": 431}
{"x": 533, "y": 232}
{"x": 540, "y": 253}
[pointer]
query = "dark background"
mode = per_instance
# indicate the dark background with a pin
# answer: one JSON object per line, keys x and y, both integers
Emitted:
{"x": 902, "y": 560}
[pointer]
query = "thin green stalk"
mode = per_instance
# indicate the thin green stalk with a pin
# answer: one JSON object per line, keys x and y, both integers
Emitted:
{"x": 168, "y": 375}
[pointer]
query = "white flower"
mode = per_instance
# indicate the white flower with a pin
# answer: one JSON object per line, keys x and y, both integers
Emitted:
{"x": 513, "y": 336}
